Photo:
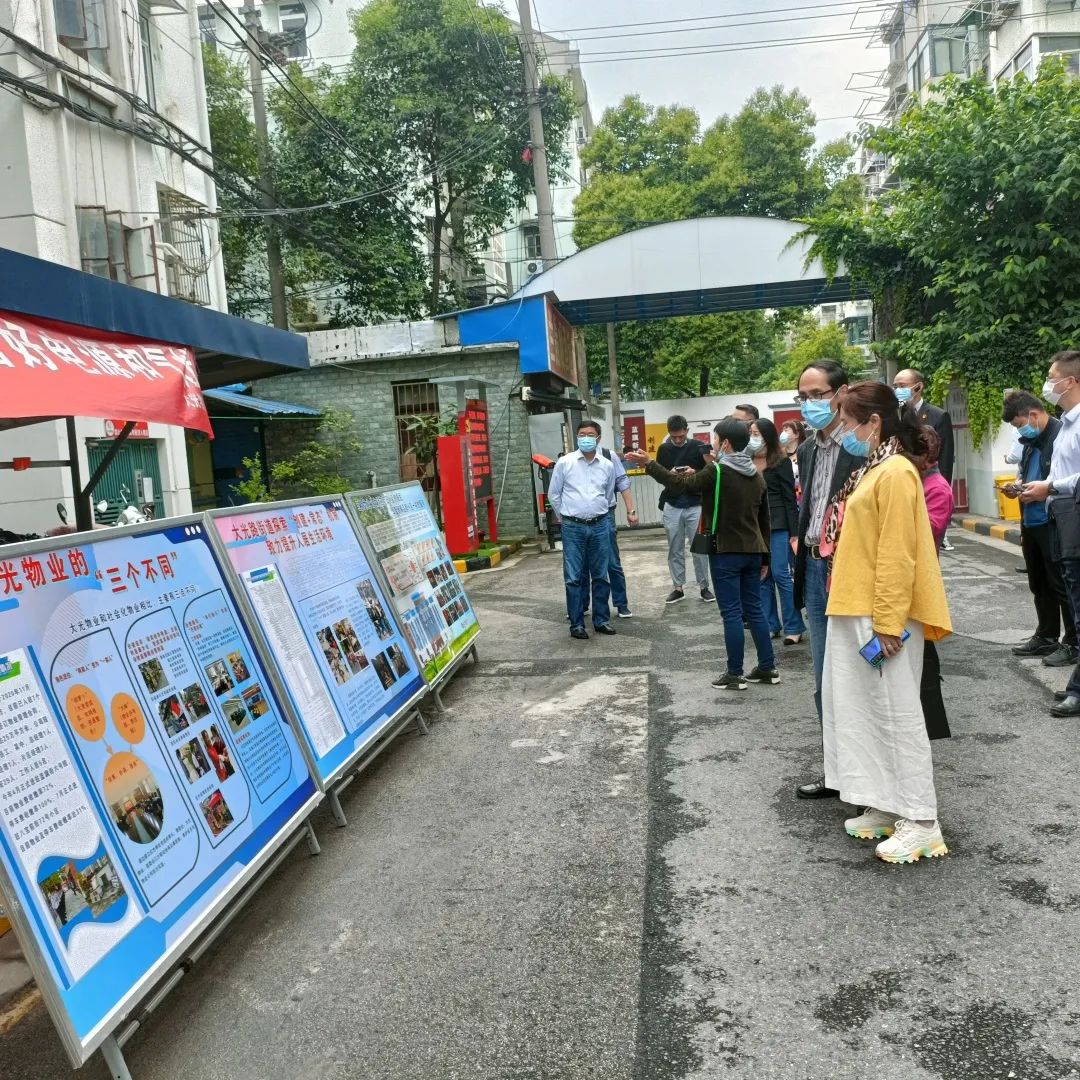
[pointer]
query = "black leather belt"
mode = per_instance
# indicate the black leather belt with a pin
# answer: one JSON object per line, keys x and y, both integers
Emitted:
{"x": 584, "y": 521}
{"x": 814, "y": 551}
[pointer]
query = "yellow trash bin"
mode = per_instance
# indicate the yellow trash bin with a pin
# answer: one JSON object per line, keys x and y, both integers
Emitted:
{"x": 1008, "y": 509}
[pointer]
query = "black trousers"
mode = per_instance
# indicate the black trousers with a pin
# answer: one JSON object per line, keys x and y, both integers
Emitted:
{"x": 937, "y": 723}
{"x": 1052, "y": 604}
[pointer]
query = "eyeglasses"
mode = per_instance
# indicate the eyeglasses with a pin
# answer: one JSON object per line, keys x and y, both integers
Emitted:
{"x": 815, "y": 395}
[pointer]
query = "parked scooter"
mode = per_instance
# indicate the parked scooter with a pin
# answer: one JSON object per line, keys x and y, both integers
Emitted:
{"x": 123, "y": 512}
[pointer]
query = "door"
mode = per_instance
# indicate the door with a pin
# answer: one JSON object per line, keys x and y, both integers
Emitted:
{"x": 135, "y": 462}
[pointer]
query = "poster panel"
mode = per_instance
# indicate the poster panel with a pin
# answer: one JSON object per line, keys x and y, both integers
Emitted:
{"x": 146, "y": 769}
{"x": 340, "y": 655}
{"x": 427, "y": 593}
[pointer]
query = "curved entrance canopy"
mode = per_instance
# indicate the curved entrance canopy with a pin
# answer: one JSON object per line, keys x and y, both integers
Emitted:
{"x": 695, "y": 267}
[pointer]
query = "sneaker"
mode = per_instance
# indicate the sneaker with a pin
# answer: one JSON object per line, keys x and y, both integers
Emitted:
{"x": 910, "y": 842}
{"x": 728, "y": 681}
{"x": 625, "y": 613}
{"x": 706, "y": 594}
{"x": 764, "y": 675}
{"x": 871, "y": 824}
{"x": 675, "y": 596}
{"x": 1064, "y": 656}
{"x": 1035, "y": 646}
{"x": 945, "y": 545}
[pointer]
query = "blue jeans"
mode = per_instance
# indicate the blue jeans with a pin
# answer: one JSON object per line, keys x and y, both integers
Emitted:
{"x": 737, "y": 584}
{"x": 817, "y": 600}
{"x": 586, "y": 551}
{"x": 615, "y": 571}
{"x": 779, "y": 578}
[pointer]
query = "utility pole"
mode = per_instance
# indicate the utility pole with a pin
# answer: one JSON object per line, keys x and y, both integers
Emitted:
{"x": 545, "y": 215}
{"x": 278, "y": 303}
{"x": 613, "y": 379}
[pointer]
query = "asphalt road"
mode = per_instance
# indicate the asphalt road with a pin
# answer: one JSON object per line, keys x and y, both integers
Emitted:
{"x": 595, "y": 867}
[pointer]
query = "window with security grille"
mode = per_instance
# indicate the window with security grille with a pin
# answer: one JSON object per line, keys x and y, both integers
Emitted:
{"x": 83, "y": 26}
{"x": 415, "y": 401}
{"x": 294, "y": 20}
{"x": 531, "y": 235}
{"x": 184, "y": 247}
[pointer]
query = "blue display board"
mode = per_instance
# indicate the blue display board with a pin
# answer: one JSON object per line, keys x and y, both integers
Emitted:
{"x": 428, "y": 595}
{"x": 145, "y": 764}
{"x": 322, "y": 611}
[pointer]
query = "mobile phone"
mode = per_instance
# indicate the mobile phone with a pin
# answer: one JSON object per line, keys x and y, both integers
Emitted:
{"x": 872, "y": 653}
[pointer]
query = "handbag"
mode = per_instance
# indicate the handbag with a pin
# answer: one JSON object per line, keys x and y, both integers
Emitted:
{"x": 1064, "y": 517}
{"x": 704, "y": 543}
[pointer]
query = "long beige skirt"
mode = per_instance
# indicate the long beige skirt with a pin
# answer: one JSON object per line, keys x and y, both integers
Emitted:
{"x": 877, "y": 752}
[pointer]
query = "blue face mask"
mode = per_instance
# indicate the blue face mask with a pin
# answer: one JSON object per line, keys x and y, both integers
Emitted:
{"x": 903, "y": 394}
{"x": 818, "y": 414}
{"x": 1028, "y": 431}
{"x": 586, "y": 443}
{"x": 854, "y": 445}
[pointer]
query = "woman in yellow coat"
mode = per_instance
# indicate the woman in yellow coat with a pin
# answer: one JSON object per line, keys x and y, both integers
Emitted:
{"x": 886, "y": 593}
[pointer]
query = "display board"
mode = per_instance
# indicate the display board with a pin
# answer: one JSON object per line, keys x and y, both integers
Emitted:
{"x": 428, "y": 596}
{"x": 146, "y": 768}
{"x": 341, "y": 658}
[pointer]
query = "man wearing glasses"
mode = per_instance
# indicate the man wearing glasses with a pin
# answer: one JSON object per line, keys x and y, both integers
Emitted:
{"x": 824, "y": 466}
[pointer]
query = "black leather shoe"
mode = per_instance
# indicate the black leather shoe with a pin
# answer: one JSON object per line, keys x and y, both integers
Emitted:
{"x": 1068, "y": 706}
{"x": 607, "y": 630}
{"x": 816, "y": 790}
{"x": 579, "y": 632}
{"x": 1035, "y": 646}
{"x": 1060, "y": 695}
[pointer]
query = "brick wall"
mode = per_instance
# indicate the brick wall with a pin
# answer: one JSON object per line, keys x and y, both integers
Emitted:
{"x": 364, "y": 388}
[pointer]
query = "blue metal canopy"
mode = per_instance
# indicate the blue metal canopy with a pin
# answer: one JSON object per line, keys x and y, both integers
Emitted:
{"x": 234, "y": 397}
{"x": 227, "y": 349}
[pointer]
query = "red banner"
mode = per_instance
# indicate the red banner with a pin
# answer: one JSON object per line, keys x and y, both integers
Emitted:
{"x": 53, "y": 369}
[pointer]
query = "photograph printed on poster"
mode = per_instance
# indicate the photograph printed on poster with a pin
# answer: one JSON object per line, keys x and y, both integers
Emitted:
{"x": 350, "y": 646}
{"x": 172, "y": 716}
{"x": 256, "y": 702}
{"x": 216, "y": 812}
{"x": 81, "y": 890}
{"x": 220, "y": 679}
{"x": 193, "y": 761}
{"x": 332, "y": 654}
{"x": 134, "y": 798}
{"x": 235, "y": 713}
{"x": 384, "y": 670}
{"x": 239, "y": 669}
{"x": 382, "y": 625}
{"x": 195, "y": 701}
{"x": 218, "y": 752}
{"x": 397, "y": 658}
{"x": 153, "y": 675}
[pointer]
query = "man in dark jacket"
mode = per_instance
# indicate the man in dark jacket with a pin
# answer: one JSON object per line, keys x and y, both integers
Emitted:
{"x": 1037, "y": 430}
{"x": 824, "y": 466}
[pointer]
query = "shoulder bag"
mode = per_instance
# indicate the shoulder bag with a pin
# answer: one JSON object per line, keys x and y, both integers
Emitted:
{"x": 704, "y": 543}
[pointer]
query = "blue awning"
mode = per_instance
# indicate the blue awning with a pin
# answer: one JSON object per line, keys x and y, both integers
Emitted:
{"x": 227, "y": 349}
{"x": 233, "y": 397}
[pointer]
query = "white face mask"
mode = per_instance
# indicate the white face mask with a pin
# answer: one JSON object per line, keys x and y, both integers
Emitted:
{"x": 755, "y": 445}
{"x": 1049, "y": 392}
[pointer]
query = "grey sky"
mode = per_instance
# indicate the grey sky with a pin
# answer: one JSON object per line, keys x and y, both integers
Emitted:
{"x": 716, "y": 84}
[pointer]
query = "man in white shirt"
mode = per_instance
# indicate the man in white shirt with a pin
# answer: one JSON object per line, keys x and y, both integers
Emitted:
{"x": 1058, "y": 491}
{"x": 581, "y": 491}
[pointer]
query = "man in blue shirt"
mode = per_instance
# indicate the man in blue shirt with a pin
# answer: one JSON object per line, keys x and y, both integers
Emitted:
{"x": 582, "y": 491}
{"x": 1058, "y": 492}
{"x": 1037, "y": 431}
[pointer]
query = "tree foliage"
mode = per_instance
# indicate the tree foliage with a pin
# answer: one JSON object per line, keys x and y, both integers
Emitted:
{"x": 809, "y": 342}
{"x": 649, "y": 165}
{"x": 974, "y": 260}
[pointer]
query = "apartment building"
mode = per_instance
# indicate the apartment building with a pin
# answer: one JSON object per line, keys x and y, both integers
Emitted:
{"x": 927, "y": 41}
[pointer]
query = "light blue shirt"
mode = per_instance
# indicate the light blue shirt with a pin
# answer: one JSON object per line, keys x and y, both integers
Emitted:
{"x": 1065, "y": 464}
{"x": 622, "y": 481}
{"x": 581, "y": 488}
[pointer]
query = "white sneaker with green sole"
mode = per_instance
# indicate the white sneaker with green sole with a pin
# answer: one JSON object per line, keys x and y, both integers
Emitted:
{"x": 911, "y": 842}
{"x": 871, "y": 824}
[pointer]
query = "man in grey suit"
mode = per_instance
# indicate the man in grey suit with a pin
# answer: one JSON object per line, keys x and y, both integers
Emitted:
{"x": 824, "y": 466}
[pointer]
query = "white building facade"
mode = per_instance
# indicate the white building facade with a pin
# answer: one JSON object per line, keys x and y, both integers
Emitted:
{"x": 80, "y": 192}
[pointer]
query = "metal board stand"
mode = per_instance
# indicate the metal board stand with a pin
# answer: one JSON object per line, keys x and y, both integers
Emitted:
{"x": 333, "y": 795}
{"x": 112, "y": 1047}
{"x": 448, "y": 672}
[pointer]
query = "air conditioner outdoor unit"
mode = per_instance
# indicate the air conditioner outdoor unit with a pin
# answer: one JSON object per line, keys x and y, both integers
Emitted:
{"x": 532, "y": 267}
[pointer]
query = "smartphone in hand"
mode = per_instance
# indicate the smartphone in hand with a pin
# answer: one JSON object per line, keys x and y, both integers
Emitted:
{"x": 872, "y": 652}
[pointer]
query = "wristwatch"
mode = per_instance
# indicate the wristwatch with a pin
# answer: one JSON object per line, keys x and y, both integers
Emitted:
{"x": 1053, "y": 490}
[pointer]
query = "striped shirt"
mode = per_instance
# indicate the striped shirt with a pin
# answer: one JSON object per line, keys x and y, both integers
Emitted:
{"x": 826, "y": 453}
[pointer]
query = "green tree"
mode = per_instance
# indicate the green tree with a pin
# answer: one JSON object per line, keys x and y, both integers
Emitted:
{"x": 974, "y": 260}
{"x": 811, "y": 342}
{"x": 648, "y": 165}
{"x": 447, "y": 79}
